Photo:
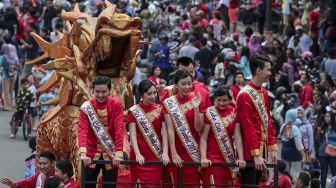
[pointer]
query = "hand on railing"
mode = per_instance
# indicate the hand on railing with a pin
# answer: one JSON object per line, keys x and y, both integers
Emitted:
{"x": 116, "y": 160}
{"x": 140, "y": 159}
{"x": 165, "y": 159}
{"x": 177, "y": 160}
{"x": 259, "y": 163}
{"x": 85, "y": 159}
{"x": 205, "y": 163}
{"x": 241, "y": 164}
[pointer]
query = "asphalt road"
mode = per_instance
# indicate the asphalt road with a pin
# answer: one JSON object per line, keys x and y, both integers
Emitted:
{"x": 12, "y": 151}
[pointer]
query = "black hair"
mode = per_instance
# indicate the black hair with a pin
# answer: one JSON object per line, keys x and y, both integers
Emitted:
{"x": 184, "y": 61}
{"x": 297, "y": 88}
{"x": 315, "y": 173}
{"x": 48, "y": 155}
{"x": 32, "y": 143}
{"x": 305, "y": 74}
{"x": 315, "y": 183}
{"x": 324, "y": 125}
{"x": 222, "y": 91}
{"x": 65, "y": 166}
{"x": 282, "y": 169}
{"x": 53, "y": 182}
{"x": 24, "y": 80}
{"x": 33, "y": 26}
{"x": 248, "y": 31}
{"x": 245, "y": 52}
{"x": 258, "y": 61}
{"x": 144, "y": 86}
{"x": 102, "y": 80}
{"x": 184, "y": 16}
{"x": 7, "y": 38}
{"x": 305, "y": 178}
{"x": 181, "y": 74}
{"x": 238, "y": 73}
{"x": 203, "y": 41}
{"x": 153, "y": 70}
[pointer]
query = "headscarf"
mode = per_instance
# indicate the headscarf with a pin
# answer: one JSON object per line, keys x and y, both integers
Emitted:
{"x": 290, "y": 116}
{"x": 304, "y": 114}
{"x": 254, "y": 47}
{"x": 289, "y": 71}
{"x": 9, "y": 51}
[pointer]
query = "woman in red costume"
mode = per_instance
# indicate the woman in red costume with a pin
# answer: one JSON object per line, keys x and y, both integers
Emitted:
{"x": 216, "y": 140}
{"x": 147, "y": 132}
{"x": 159, "y": 82}
{"x": 184, "y": 116}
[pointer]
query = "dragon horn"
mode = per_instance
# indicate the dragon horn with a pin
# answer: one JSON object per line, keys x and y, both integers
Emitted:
{"x": 60, "y": 64}
{"x": 53, "y": 101}
{"x": 141, "y": 42}
{"x": 54, "y": 50}
{"x": 38, "y": 59}
{"x": 72, "y": 16}
{"x": 76, "y": 8}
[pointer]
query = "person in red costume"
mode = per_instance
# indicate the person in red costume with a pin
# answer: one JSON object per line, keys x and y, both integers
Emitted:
{"x": 47, "y": 163}
{"x": 256, "y": 122}
{"x": 306, "y": 93}
{"x": 186, "y": 63}
{"x": 239, "y": 83}
{"x": 211, "y": 150}
{"x": 159, "y": 82}
{"x": 64, "y": 170}
{"x": 184, "y": 114}
{"x": 154, "y": 149}
{"x": 101, "y": 134}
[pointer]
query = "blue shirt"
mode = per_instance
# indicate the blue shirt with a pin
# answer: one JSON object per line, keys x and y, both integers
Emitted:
{"x": 244, "y": 66}
{"x": 163, "y": 61}
{"x": 323, "y": 143}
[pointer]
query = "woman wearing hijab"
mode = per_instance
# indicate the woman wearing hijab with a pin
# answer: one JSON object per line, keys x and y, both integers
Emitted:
{"x": 292, "y": 150}
{"x": 254, "y": 45}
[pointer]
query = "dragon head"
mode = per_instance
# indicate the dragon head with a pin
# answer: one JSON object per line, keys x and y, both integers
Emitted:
{"x": 104, "y": 45}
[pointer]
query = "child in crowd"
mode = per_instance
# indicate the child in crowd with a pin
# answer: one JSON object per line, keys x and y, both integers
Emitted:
{"x": 315, "y": 183}
{"x": 303, "y": 180}
{"x": 264, "y": 179}
{"x": 33, "y": 105}
{"x": 30, "y": 161}
{"x": 285, "y": 179}
{"x": 23, "y": 100}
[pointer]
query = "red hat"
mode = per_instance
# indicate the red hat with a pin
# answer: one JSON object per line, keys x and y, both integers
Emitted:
{"x": 314, "y": 16}
{"x": 235, "y": 36}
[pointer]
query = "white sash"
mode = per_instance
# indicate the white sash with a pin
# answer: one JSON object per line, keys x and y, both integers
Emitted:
{"x": 99, "y": 129}
{"x": 258, "y": 104}
{"x": 221, "y": 134}
{"x": 39, "y": 181}
{"x": 182, "y": 128}
{"x": 147, "y": 130}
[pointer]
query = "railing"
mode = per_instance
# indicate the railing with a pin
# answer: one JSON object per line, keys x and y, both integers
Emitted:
{"x": 180, "y": 174}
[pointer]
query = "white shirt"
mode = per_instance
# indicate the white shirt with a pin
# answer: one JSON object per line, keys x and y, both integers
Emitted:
{"x": 305, "y": 42}
{"x": 286, "y": 7}
{"x": 33, "y": 89}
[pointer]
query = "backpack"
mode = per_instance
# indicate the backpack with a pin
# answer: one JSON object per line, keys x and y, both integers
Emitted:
{"x": 10, "y": 66}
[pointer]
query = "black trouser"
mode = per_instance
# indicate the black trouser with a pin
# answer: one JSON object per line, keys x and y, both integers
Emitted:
{"x": 250, "y": 175}
{"x": 91, "y": 174}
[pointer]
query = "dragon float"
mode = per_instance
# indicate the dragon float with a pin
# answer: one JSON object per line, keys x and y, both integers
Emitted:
{"x": 90, "y": 46}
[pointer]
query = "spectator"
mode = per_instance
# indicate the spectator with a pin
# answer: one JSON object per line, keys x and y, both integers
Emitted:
{"x": 244, "y": 64}
{"x": 204, "y": 58}
{"x": 329, "y": 64}
{"x": 303, "y": 180}
{"x": 30, "y": 47}
{"x": 30, "y": 161}
{"x": 315, "y": 183}
{"x": 53, "y": 182}
{"x": 285, "y": 179}
{"x": 9, "y": 62}
{"x": 254, "y": 45}
{"x": 326, "y": 134}
{"x": 64, "y": 170}
{"x": 233, "y": 13}
{"x": 49, "y": 12}
{"x": 190, "y": 50}
{"x": 162, "y": 56}
{"x": 305, "y": 42}
{"x": 306, "y": 93}
{"x": 292, "y": 150}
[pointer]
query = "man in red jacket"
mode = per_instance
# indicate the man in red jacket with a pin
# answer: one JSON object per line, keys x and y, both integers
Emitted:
{"x": 186, "y": 63}
{"x": 306, "y": 93}
{"x": 101, "y": 132}
{"x": 256, "y": 122}
{"x": 47, "y": 168}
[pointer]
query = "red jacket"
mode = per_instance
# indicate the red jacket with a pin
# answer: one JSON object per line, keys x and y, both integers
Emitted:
{"x": 31, "y": 182}
{"x": 306, "y": 96}
{"x": 197, "y": 88}
{"x": 71, "y": 183}
{"x": 111, "y": 115}
{"x": 234, "y": 90}
{"x": 253, "y": 134}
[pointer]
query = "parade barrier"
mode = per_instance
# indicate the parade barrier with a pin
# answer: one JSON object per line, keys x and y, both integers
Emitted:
{"x": 179, "y": 183}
